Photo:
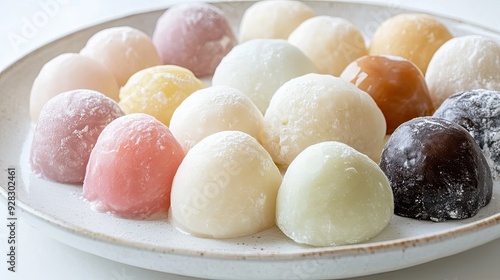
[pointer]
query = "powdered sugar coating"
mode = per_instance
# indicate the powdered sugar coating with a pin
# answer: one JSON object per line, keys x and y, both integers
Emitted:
{"x": 66, "y": 72}
{"x": 195, "y": 36}
{"x": 437, "y": 171}
{"x": 259, "y": 67}
{"x": 461, "y": 64}
{"x": 478, "y": 111}
{"x": 214, "y": 109}
{"x": 123, "y": 50}
{"x": 225, "y": 187}
{"x": 66, "y": 133}
{"x": 315, "y": 108}
{"x": 131, "y": 168}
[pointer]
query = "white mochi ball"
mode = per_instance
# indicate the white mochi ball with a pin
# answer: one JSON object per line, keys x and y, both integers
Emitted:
{"x": 273, "y": 19}
{"x": 259, "y": 67}
{"x": 212, "y": 110}
{"x": 330, "y": 42}
{"x": 225, "y": 187}
{"x": 333, "y": 195}
{"x": 315, "y": 108}
{"x": 462, "y": 64}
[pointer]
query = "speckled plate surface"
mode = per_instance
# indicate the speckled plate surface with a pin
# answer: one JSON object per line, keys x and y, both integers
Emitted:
{"x": 59, "y": 211}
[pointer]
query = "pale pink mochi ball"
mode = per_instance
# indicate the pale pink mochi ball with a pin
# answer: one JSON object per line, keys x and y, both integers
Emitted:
{"x": 195, "y": 36}
{"x": 66, "y": 72}
{"x": 67, "y": 131}
{"x": 131, "y": 168}
{"x": 123, "y": 50}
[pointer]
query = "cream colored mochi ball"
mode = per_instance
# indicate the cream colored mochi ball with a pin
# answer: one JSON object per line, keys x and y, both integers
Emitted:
{"x": 225, "y": 187}
{"x": 315, "y": 108}
{"x": 330, "y": 42}
{"x": 212, "y": 110}
{"x": 273, "y": 19}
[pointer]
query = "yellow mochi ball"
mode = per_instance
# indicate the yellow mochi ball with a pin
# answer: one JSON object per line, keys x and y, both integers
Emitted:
{"x": 158, "y": 91}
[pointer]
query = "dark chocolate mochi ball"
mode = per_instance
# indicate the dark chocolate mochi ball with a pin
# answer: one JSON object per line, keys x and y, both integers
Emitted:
{"x": 437, "y": 171}
{"x": 478, "y": 111}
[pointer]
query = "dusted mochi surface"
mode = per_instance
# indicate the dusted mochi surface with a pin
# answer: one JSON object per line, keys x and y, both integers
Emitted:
{"x": 259, "y": 67}
{"x": 158, "y": 90}
{"x": 330, "y": 42}
{"x": 215, "y": 109}
{"x": 461, "y": 64}
{"x": 478, "y": 111}
{"x": 66, "y": 72}
{"x": 131, "y": 168}
{"x": 273, "y": 19}
{"x": 415, "y": 37}
{"x": 437, "y": 171}
{"x": 396, "y": 84}
{"x": 66, "y": 133}
{"x": 333, "y": 195}
{"x": 226, "y": 187}
{"x": 195, "y": 36}
{"x": 315, "y": 108}
{"x": 123, "y": 50}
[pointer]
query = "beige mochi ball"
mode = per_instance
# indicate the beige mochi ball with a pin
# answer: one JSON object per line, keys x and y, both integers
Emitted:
{"x": 330, "y": 42}
{"x": 273, "y": 19}
{"x": 212, "y": 110}
{"x": 315, "y": 108}
{"x": 225, "y": 187}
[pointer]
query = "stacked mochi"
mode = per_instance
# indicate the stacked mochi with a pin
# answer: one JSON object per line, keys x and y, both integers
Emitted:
{"x": 304, "y": 126}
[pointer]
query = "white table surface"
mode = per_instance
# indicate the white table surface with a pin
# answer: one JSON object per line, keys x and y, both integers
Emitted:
{"x": 41, "y": 257}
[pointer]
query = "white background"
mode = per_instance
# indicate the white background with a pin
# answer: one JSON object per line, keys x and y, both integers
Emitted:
{"x": 40, "y": 257}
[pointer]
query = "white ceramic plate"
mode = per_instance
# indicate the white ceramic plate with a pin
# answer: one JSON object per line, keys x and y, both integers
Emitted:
{"x": 58, "y": 209}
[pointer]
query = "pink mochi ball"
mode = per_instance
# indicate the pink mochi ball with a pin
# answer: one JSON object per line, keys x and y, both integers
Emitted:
{"x": 195, "y": 36}
{"x": 131, "y": 168}
{"x": 67, "y": 130}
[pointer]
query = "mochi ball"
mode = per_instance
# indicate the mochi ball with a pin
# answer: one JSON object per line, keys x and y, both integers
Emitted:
{"x": 316, "y": 108}
{"x": 225, "y": 187}
{"x": 67, "y": 72}
{"x": 415, "y": 37}
{"x": 273, "y": 19}
{"x": 462, "y": 64}
{"x": 131, "y": 168}
{"x": 158, "y": 90}
{"x": 214, "y": 109}
{"x": 478, "y": 111}
{"x": 333, "y": 195}
{"x": 195, "y": 36}
{"x": 123, "y": 50}
{"x": 66, "y": 132}
{"x": 437, "y": 171}
{"x": 259, "y": 67}
{"x": 330, "y": 42}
